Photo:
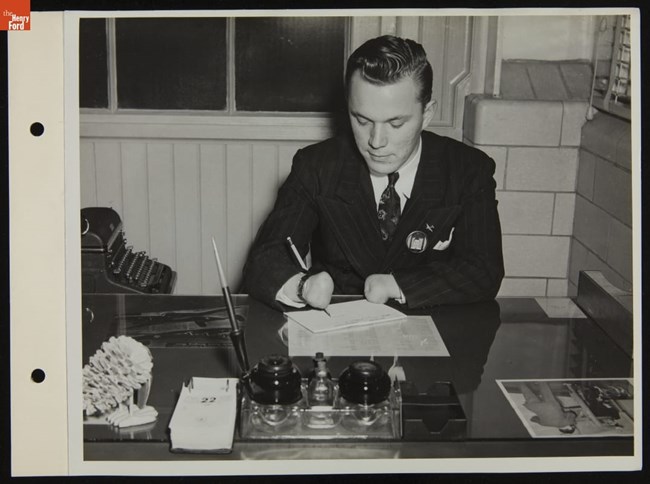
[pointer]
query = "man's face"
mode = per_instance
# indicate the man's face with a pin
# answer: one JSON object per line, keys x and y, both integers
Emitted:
{"x": 386, "y": 121}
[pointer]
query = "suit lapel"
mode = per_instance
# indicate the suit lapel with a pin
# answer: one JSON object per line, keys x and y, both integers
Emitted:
{"x": 352, "y": 214}
{"x": 427, "y": 194}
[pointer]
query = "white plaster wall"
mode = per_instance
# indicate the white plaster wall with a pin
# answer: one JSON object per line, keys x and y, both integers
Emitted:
{"x": 550, "y": 38}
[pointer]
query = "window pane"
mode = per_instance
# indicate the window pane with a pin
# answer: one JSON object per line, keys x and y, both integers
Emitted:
{"x": 288, "y": 64}
{"x": 171, "y": 63}
{"x": 93, "y": 66}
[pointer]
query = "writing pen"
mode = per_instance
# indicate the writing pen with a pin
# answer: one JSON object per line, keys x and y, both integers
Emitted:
{"x": 302, "y": 264}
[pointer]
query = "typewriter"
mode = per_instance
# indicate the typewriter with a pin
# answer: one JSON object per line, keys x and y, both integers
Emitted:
{"x": 109, "y": 265}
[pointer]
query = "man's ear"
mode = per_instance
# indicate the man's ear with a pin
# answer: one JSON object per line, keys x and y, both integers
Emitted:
{"x": 429, "y": 109}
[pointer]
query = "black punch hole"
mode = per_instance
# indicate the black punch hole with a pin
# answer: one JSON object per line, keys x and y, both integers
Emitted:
{"x": 38, "y": 375}
{"x": 37, "y": 129}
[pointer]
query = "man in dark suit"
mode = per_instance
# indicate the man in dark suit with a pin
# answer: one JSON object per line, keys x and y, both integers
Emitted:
{"x": 391, "y": 212}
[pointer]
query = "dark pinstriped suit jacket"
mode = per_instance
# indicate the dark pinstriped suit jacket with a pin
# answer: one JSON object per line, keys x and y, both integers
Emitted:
{"x": 327, "y": 204}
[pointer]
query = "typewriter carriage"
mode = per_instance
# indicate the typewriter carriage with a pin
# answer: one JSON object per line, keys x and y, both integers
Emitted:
{"x": 109, "y": 265}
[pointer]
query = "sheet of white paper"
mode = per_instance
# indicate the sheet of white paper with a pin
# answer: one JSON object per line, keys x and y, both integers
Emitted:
{"x": 411, "y": 336}
{"x": 345, "y": 315}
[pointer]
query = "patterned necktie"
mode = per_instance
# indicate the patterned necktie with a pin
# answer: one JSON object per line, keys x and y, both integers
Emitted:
{"x": 389, "y": 209}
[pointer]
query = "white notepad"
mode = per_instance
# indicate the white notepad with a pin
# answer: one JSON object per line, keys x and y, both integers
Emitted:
{"x": 345, "y": 315}
{"x": 204, "y": 417}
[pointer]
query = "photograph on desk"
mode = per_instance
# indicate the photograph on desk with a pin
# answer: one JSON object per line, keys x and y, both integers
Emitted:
{"x": 573, "y": 408}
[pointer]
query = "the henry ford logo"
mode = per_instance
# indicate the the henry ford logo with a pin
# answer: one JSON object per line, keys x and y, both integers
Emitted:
{"x": 15, "y": 15}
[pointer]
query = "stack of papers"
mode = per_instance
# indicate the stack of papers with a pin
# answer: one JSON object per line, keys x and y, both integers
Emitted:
{"x": 204, "y": 417}
{"x": 345, "y": 315}
{"x": 413, "y": 336}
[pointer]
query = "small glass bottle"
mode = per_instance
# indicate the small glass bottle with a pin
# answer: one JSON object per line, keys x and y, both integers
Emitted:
{"x": 320, "y": 392}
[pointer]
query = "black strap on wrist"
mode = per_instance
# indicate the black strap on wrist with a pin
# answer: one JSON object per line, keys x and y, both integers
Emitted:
{"x": 301, "y": 286}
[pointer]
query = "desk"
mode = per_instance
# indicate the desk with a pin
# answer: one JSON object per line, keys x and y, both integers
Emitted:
{"x": 511, "y": 338}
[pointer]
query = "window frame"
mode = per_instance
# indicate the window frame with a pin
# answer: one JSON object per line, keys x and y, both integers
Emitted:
{"x": 605, "y": 101}
{"x": 230, "y": 111}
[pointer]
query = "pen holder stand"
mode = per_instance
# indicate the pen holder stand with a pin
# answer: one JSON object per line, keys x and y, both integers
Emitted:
{"x": 342, "y": 421}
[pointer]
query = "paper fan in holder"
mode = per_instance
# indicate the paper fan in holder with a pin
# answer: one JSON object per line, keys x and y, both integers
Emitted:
{"x": 116, "y": 383}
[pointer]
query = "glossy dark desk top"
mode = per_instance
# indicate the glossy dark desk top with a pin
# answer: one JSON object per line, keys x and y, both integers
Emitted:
{"x": 503, "y": 339}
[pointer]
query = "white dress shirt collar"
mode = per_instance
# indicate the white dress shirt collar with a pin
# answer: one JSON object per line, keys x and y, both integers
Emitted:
{"x": 404, "y": 184}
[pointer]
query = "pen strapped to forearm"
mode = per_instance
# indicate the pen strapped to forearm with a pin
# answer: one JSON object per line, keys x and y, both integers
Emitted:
{"x": 296, "y": 255}
{"x": 307, "y": 274}
{"x": 301, "y": 287}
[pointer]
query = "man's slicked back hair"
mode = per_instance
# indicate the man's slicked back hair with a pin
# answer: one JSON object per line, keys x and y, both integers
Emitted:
{"x": 388, "y": 59}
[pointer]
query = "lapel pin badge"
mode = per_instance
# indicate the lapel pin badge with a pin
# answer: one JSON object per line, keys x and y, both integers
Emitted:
{"x": 417, "y": 241}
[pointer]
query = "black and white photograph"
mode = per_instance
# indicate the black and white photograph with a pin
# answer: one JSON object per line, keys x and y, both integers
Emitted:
{"x": 394, "y": 240}
{"x": 573, "y": 408}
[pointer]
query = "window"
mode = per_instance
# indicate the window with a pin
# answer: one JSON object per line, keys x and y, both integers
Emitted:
{"x": 93, "y": 64}
{"x": 249, "y": 64}
{"x": 612, "y": 86}
{"x": 288, "y": 64}
{"x": 171, "y": 63}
